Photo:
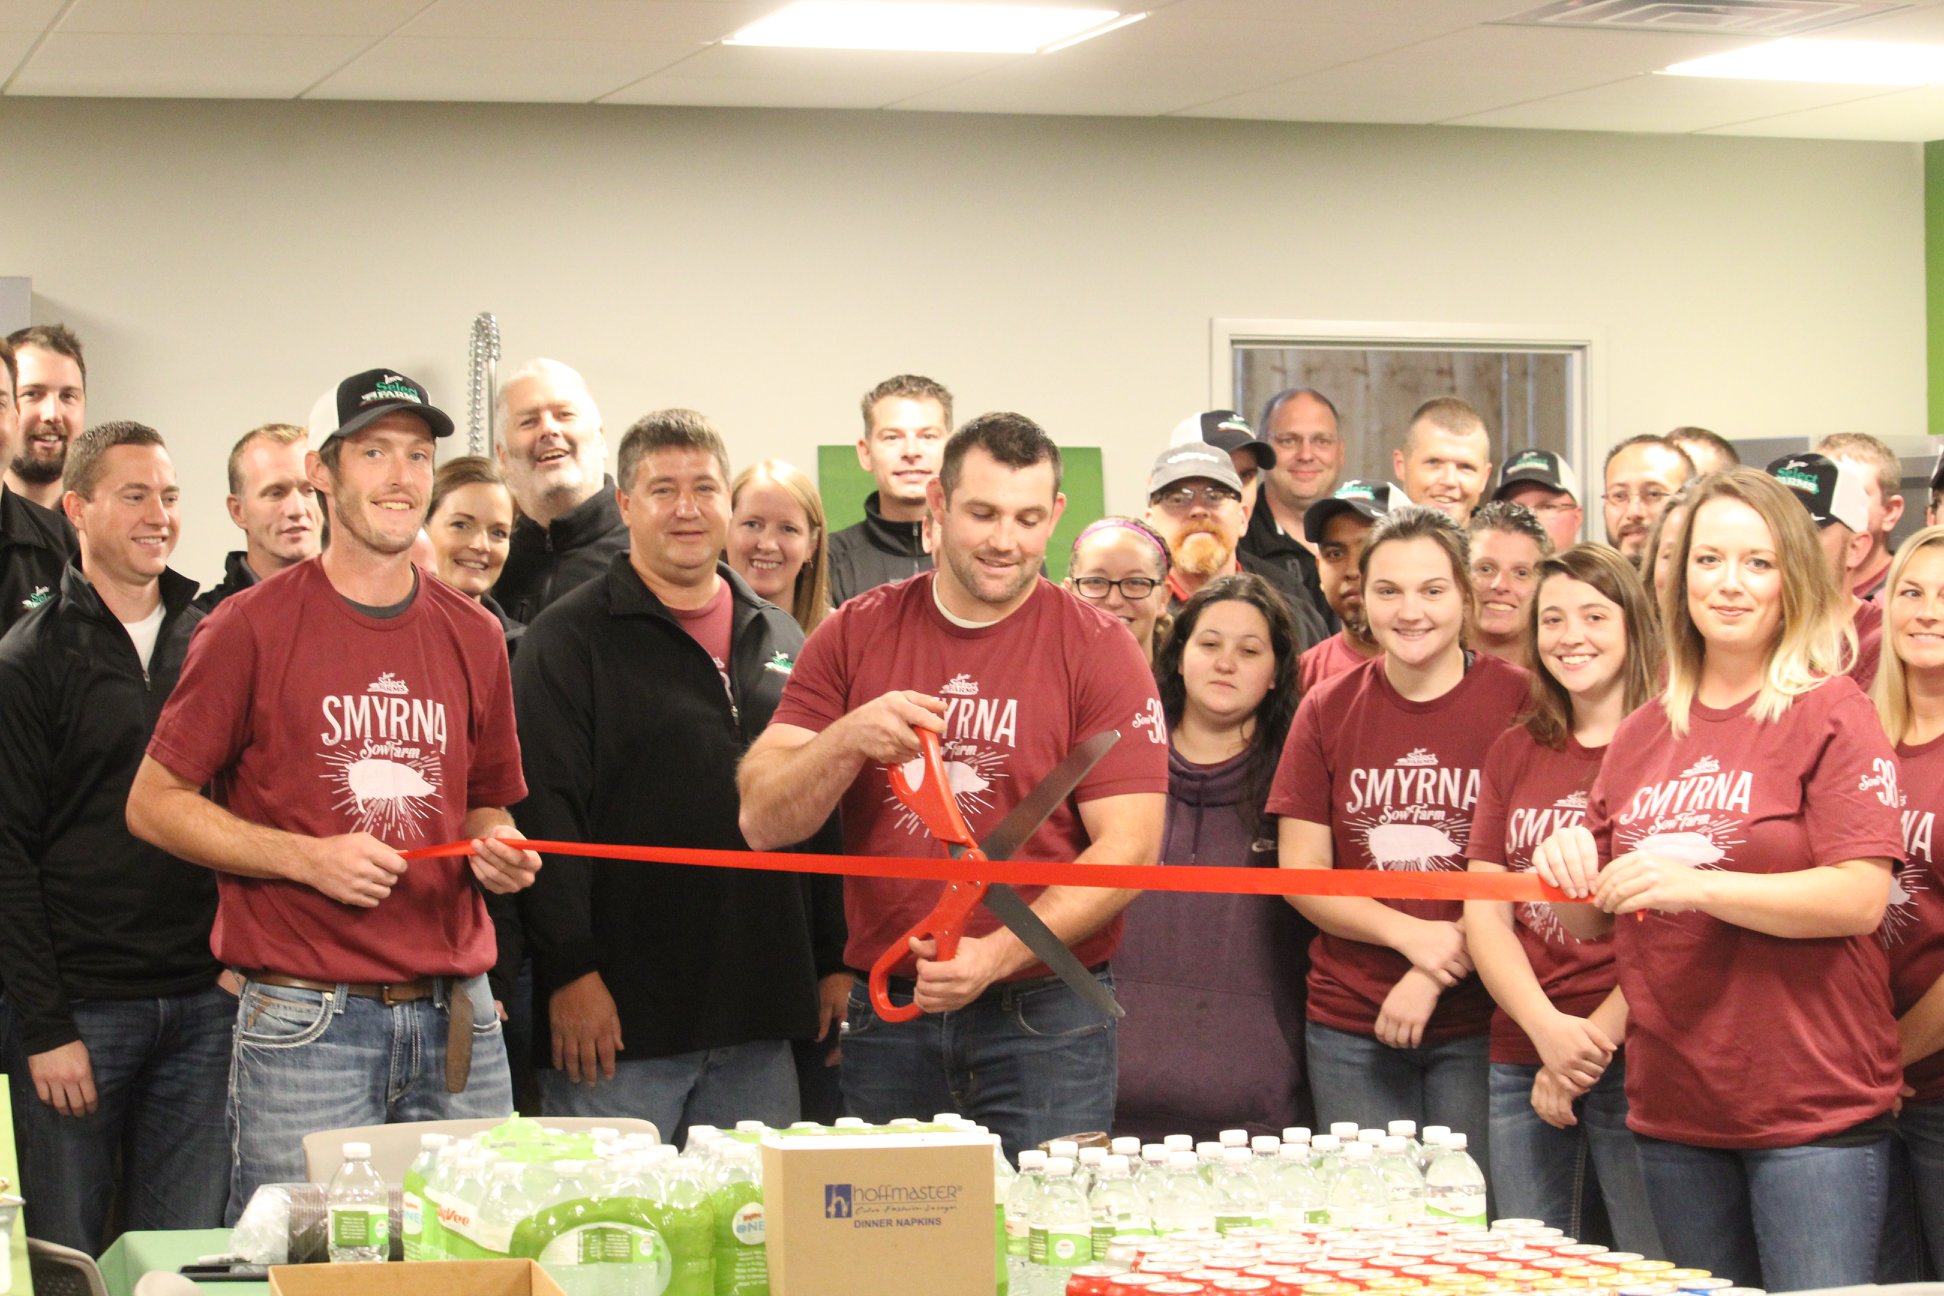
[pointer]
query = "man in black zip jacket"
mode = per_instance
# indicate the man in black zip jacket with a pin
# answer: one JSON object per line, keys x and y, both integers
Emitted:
{"x": 118, "y": 1038}
{"x": 35, "y": 544}
{"x": 906, "y": 421}
{"x": 670, "y": 992}
{"x": 552, "y": 448}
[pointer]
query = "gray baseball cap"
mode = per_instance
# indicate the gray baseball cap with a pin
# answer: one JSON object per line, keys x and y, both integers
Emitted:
{"x": 1191, "y": 460}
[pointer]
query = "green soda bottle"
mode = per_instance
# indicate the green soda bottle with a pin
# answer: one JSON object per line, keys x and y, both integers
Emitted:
{"x": 741, "y": 1259}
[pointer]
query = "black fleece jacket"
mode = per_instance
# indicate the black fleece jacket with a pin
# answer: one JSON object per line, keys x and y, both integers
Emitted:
{"x": 88, "y": 910}
{"x": 628, "y": 736}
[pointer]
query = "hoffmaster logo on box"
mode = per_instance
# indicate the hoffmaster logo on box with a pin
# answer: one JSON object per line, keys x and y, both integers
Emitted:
{"x": 890, "y": 1205}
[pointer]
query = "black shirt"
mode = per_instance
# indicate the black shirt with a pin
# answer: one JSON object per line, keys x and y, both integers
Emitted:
{"x": 35, "y": 544}
{"x": 874, "y": 552}
{"x": 544, "y": 562}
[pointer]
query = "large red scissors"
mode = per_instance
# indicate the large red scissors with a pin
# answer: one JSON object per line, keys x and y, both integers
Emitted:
{"x": 929, "y": 796}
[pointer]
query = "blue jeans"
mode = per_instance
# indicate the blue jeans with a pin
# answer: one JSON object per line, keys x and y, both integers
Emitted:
{"x": 310, "y": 1060}
{"x": 1540, "y": 1172}
{"x": 1030, "y": 1060}
{"x": 719, "y": 1086}
{"x": 1784, "y": 1219}
{"x": 159, "y": 1066}
{"x": 1356, "y": 1078}
{"x": 1916, "y": 1211}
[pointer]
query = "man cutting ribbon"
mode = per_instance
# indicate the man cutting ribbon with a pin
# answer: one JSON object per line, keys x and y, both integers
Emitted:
{"x": 1011, "y": 674}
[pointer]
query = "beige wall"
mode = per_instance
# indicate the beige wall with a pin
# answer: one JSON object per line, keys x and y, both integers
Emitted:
{"x": 225, "y": 262}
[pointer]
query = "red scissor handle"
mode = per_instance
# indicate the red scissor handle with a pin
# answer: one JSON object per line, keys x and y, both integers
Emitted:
{"x": 930, "y": 798}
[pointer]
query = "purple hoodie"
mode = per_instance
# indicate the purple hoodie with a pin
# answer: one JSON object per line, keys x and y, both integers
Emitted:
{"x": 1212, "y": 984}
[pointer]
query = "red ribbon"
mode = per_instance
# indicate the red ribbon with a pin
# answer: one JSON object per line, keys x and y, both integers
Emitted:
{"x": 1375, "y": 883}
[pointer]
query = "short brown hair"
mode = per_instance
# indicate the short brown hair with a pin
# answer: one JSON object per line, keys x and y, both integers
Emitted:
{"x": 275, "y": 433}
{"x": 915, "y": 387}
{"x": 84, "y": 460}
{"x": 58, "y": 338}
{"x": 1447, "y": 414}
{"x": 1513, "y": 519}
{"x": 1866, "y": 449}
{"x": 1012, "y": 439}
{"x": 466, "y": 470}
{"x": 670, "y": 428}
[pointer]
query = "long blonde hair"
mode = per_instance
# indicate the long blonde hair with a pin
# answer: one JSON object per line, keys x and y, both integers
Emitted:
{"x": 810, "y": 599}
{"x": 1891, "y": 691}
{"x": 1816, "y": 640}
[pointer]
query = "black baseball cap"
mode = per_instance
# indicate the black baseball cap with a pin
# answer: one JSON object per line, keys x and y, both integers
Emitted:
{"x": 1368, "y": 500}
{"x": 1540, "y": 467}
{"x": 1225, "y": 430}
{"x": 366, "y": 396}
{"x": 1831, "y": 489}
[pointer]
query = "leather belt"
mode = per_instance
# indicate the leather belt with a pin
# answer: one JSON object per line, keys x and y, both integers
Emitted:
{"x": 458, "y": 1058}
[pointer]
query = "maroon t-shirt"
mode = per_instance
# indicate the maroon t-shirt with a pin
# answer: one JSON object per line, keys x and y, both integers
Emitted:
{"x": 301, "y": 713}
{"x": 1333, "y": 657}
{"x": 709, "y": 625}
{"x": 1530, "y": 792}
{"x": 1022, "y": 693}
{"x": 1738, "y": 1039}
{"x": 1913, "y": 925}
{"x": 1396, "y": 782}
{"x": 1869, "y": 642}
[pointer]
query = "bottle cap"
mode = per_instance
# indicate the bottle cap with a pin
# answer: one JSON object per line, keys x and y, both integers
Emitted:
{"x": 1063, "y": 1147}
{"x": 1403, "y": 1128}
{"x": 1032, "y": 1159}
{"x": 1181, "y": 1160}
{"x": 1058, "y": 1168}
{"x": 1178, "y": 1143}
{"x": 1234, "y": 1138}
{"x": 1345, "y": 1130}
{"x": 1125, "y": 1146}
{"x": 357, "y": 1151}
{"x": 1391, "y": 1143}
{"x": 1456, "y": 1142}
{"x": 1357, "y": 1152}
{"x": 1092, "y": 1155}
{"x": 434, "y": 1140}
{"x": 1296, "y": 1134}
{"x": 1294, "y": 1152}
{"x": 1326, "y": 1143}
{"x": 1237, "y": 1156}
{"x": 1265, "y": 1144}
{"x": 1155, "y": 1152}
{"x": 1115, "y": 1164}
{"x": 1433, "y": 1133}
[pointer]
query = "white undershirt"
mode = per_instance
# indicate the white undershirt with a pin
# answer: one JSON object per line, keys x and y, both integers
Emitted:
{"x": 145, "y": 632}
{"x": 958, "y": 621}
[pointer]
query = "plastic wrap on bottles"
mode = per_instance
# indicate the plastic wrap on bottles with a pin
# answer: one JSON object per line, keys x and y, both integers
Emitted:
{"x": 287, "y": 1224}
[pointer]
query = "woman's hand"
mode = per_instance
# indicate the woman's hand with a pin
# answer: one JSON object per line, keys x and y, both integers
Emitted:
{"x": 1569, "y": 860}
{"x": 1573, "y": 1048}
{"x": 1408, "y": 1006}
{"x": 1437, "y": 949}
{"x": 1552, "y": 1099}
{"x": 1638, "y": 881}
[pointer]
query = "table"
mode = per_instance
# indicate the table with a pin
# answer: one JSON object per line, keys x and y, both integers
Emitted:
{"x": 133, "y": 1254}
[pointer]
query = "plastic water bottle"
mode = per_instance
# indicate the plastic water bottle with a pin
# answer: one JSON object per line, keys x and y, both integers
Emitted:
{"x": 1003, "y": 1179}
{"x": 1178, "y": 1143}
{"x": 1067, "y": 1148}
{"x": 741, "y": 1256}
{"x": 1062, "y": 1231}
{"x": 1179, "y": 1201}
{"x": 1266, "y": 1148}
{"x": 554, "y": 1231}
{"x": 1021, "y": 1202}
{"x": 1400, "y": 1171}
{"x": 1153, "y": 1164}
{"x": 359, "y": 1208}
{"x": 1454, "y": 1186}
{"x": 1233, "y": 1138}
{"x": 1326, "y": 1158}
{"x": 1088, "y": 1171}
{"x": 1127, "y": 1147}
{"x": 1434, "y": 1138}
{"x": 1407, "y": 1130}
{"x": 506, "y": 1207}
{"x": 1293, "y": 1193}
{"x": 1239, "y": 1202}
{"x": 1358, "y": 1196}
{"x": 411, "y": 1211}
{"x": 1208, "y": 1159}
{"x": 1345, "y": 1131}
{"x": 1117, "y": 1205}
{"x": 1296, "y": 1134}
{"x": 683, "y": 1215}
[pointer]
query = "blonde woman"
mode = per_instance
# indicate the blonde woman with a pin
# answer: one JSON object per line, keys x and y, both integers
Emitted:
{"x": 1749, "y": 817}
{"x": 778, "y": 541}
{"x": 1909, "y": 696}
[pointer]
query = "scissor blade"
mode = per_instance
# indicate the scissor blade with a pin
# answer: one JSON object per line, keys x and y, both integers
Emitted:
{"x": 1048, "y": 948}
{"x": 1026, "y": 817}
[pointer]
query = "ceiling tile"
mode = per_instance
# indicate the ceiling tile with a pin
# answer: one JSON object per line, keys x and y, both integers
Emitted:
{"x": 1473, "y": 71}
{"x": 199, "y": 67}
{"x": 497, "y": 70}
{"x": 1913, "y": 115}
{"x": 13, "y": 48}
{"x": 1924, "y": 22}
{"x": 786, "y": 78}
{"x": 239, "y": 17}
{"x": 1661, "y": 104}
{"x": 621, "y": 20}
{"x": 27, "y": 15}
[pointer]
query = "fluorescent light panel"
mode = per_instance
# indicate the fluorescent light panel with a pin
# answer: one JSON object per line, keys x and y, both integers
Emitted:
{"x": 1875, "y": 63}
{"x": 938, "y": 28}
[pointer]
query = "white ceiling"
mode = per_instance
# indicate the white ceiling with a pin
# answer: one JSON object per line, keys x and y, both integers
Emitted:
{"x": 1415, "y": 62}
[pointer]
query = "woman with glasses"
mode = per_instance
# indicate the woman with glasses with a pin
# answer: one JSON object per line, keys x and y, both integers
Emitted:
{"x": 1739, "y": 844}
{"x": 1217, "y": 976}
{"x": 1381, "y": 771}
{"x": 1120, "y": 565}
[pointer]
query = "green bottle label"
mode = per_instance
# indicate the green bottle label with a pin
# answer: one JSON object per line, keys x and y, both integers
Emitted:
{"x": 411, "y": 1214}
{"x": 1019, "y": 1238}
{"x": 1065, "y": 1250}
{"x": 360, "y": 1226}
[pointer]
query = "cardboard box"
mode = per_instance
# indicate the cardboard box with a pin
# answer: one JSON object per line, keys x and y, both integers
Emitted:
{"x": 880, "y": 1215}
{"x": 426, "y": 1278}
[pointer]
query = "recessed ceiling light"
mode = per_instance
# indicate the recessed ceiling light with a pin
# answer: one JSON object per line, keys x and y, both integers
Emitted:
{"x": 946, "y": 28}
{"x": 1841, "y": 62}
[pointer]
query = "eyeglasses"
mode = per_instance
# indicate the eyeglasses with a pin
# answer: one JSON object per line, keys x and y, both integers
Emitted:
{"x": 1132, "y": 588}
{"x": 1179, "y": 499}
{"x": 1651, "y": 496}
